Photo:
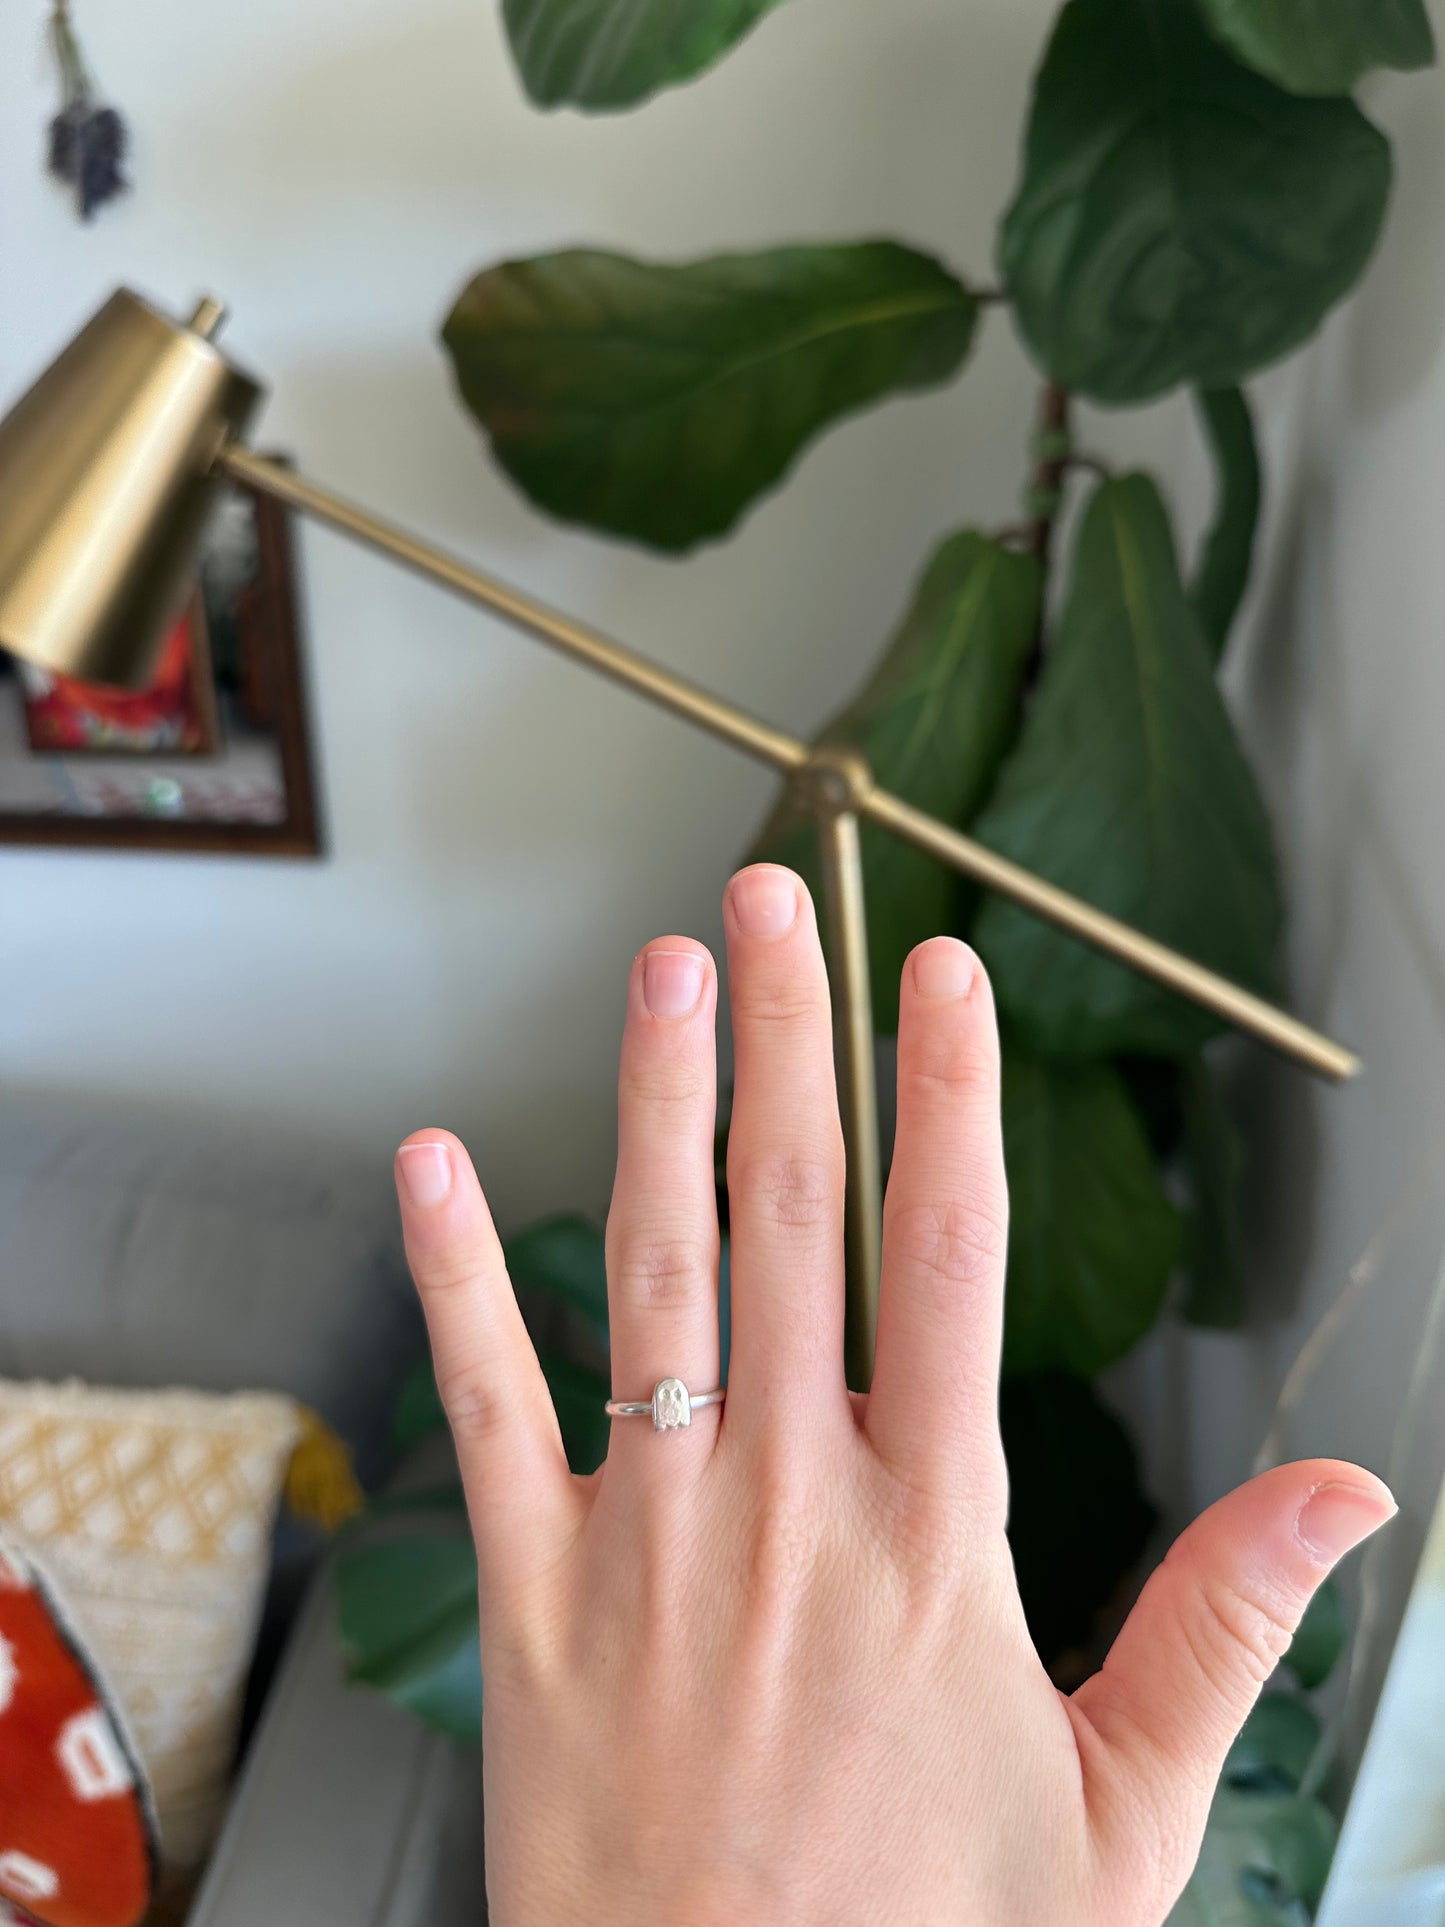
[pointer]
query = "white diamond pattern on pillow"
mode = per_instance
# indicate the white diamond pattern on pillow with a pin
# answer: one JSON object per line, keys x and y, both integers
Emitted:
{"x": 153, "y": 1511}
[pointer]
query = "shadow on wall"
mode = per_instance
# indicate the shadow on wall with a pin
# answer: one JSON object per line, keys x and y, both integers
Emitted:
{"x": 1274, "y": 1104}
{"x": 1398, "y": 325}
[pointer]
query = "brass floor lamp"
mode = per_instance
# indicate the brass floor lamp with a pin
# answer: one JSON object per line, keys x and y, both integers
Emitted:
{"x": 107, "y": 467}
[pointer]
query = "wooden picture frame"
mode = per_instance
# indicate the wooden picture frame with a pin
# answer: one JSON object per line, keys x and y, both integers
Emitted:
{"x": 265, "y": 699}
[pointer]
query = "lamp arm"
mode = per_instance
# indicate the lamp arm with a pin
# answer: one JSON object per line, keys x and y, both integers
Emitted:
{"x": 1202, "y": 986}
{"x": 857, "y": 1082}
{"x": 787, "y": 754}
{"x": 695, "y": 705}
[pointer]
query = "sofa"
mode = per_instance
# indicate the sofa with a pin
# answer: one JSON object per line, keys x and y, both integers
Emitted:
{"x": 150, "y": 1246}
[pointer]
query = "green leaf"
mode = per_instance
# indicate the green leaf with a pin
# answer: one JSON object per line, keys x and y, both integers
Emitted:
{"x": 565, "y": 1258}
{"x": 409, "y": 1627}
{"x": 1263, "y": 1863}
{"x": 579, "y": 1396}
{"x": 418, "y": 1407}
{"x": 1091, "y": 1234}
{"x": 1180, "y": 219}
{"x": 1213, "y": 1161}
{"x": 603, "y": 54}
{"x": 1223, "y": 572}
{"x": 1320, "y": 1639}
{"x": 1322, "y": 46}
{"x": 1274, "y": 1751}
{"x": 934, "y": 720}
{"x": 656, "y": 401}
{"x": 1078, "y": 1518}
{"x": 1128, "y": 787}
{"x": 448, "y": 1497}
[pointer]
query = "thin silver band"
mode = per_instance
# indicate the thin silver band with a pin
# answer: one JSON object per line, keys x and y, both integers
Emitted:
{"x": 642, "y": 1407}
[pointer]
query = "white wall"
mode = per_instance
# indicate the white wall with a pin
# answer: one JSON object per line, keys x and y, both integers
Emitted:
{"x": 504, "y": 833}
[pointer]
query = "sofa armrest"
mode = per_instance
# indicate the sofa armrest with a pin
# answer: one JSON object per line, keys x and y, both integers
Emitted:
{"x": 349, "y": 1811}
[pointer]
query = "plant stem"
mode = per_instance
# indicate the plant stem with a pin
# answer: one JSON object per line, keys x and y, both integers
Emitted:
{"x": 1090, "y": 465}
{"x": 1051, "y": 438}
{"x": 74, "y": 78}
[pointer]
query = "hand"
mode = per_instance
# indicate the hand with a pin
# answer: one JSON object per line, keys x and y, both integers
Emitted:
{"x": 773, "y": 1669}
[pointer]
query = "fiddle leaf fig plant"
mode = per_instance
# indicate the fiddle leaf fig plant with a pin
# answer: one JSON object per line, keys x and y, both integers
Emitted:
{"x": 1196, "y": 191}
{"x": 1227, "y": 551}
{"x": 935, "y": 720}
{"x": 1128, "y": 786}
{"x": 604, "y": 54}
{"x": 657, "y": 401}
{"x": 1323, "y": 46}
{"x": 1180, "y": 219}
{"x": 1092, "y": 1234}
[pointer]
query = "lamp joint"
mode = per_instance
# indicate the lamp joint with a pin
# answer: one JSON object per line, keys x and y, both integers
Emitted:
{"x": 834, "y": 780}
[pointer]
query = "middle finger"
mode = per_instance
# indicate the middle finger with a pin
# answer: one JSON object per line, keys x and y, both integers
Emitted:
{"x": 785, "y": 1151}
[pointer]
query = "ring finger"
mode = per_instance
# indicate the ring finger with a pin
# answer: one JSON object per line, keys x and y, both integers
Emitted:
{"x": 662, "y": 1230}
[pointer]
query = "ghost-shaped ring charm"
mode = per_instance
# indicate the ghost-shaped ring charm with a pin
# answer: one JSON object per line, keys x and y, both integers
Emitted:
{"x": 670, "y": 1408}
{"x": 671, "y": 1404}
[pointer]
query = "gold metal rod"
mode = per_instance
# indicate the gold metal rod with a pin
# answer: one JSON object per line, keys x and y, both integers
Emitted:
{"x": 786, "y": 753}
{"x": 206, "y": 317}
{"x": 1145, "y": 954}
{"x": 599, "y": 652}
{"x": 857, "y": 1083}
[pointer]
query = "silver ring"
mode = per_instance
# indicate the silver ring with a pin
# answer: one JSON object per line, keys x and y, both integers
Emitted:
{"x": 670, "y": 1406}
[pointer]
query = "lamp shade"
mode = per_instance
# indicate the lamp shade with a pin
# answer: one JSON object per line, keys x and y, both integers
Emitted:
{"x": 106, "y": 474}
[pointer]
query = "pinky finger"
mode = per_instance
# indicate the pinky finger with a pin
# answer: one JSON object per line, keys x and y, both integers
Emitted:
{"x": 520, "y": 1497}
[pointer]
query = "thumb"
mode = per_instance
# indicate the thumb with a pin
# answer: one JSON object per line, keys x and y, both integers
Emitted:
{"x": 1208, "y": 1629}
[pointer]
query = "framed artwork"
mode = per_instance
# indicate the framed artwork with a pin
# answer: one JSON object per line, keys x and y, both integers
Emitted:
{"x": 214, "y": 754}
{"x": 175, "y": 715}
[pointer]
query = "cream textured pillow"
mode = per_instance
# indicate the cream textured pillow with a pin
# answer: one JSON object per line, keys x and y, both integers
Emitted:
{"x": 153, "y": 1512}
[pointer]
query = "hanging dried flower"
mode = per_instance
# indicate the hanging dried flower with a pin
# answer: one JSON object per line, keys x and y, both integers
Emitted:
{"x": 87, "y": 141}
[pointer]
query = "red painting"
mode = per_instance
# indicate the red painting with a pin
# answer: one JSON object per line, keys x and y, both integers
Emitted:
{"x": 175, "y": 715}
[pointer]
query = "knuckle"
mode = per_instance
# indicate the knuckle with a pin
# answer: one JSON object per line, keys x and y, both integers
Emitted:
{"x": 445, "y": 1274}
{"x": 661, "y": 1273}
{"x": 1229, "y": 1629}
{"x": 780, "y": 1546}
{"x": 950, "y": 1247}
{"x": 767, "y": 998}
{"x": 795, "y": 1190}
{"x": 663, "y": 1083}
{"x": 952, "y": 1065}
{"x": 478, "y": 1408}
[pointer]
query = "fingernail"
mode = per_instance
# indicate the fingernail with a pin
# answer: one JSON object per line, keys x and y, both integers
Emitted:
{"x": 671, "y": 982}
{"x": 765, "y": 901}
{"x": 426, "y": 1171}
{"x": 1335, "y": 1518}
{"x": 944, "y": 967}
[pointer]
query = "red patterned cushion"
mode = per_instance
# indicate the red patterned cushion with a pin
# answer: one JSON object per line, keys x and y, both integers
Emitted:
{"x": 77, "y": 1844}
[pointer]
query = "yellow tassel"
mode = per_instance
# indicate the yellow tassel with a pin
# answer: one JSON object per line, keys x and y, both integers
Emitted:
{"x": 321, "y": 1483}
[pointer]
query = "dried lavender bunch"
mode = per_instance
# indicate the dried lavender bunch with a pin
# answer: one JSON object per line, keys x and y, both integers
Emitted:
{"x": 87, "y": 142}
